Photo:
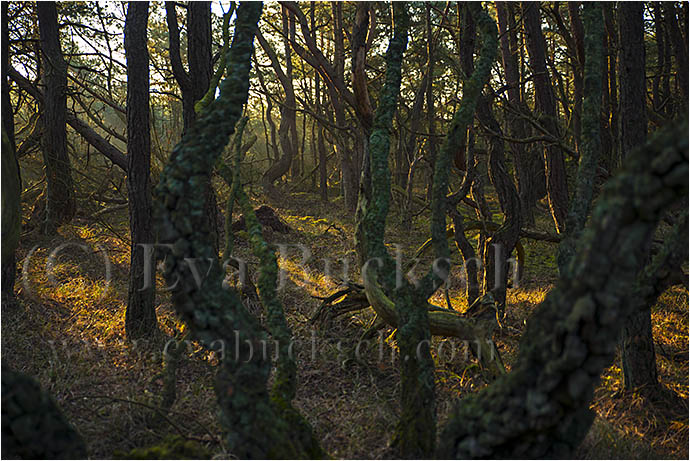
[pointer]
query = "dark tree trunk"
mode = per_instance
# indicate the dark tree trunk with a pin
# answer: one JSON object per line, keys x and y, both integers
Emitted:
{"x": 528, "y": 165}
{"x": 7, "y": 112}
{"x": 350, "y": 169}
{"x": 680, "y": 47}
{"x": 609, "y": 133}
{"x": 637, "y": 345}
{"x": 11, "y": 181}
{"x": 194, "y": 84}
{"x": 430, "y": 111}
{"x": 556, "y": 185}
{"x": 140, "y": 317}
{"x": 502, "y": 242}
{"x": 60, "y": 201}
{"x": 320, "y": 143}
{"x": 287, "y": 131}
{"x": 578, "y": 62}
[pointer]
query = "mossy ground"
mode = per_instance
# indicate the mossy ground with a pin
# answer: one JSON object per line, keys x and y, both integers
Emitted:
{"x": 68, "y": 331}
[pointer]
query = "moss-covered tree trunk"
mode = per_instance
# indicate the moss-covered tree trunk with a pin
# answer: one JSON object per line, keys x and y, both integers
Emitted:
{"x": 256, "y": 426}
{"x": 60, "y": 200}
{"x": 140, "y": 317}
{"x": 33, "y": 427}
{"x": 539, "y": 409}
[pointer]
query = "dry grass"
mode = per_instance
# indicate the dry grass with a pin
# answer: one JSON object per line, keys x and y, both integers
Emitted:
{"x": 69, "y": 333}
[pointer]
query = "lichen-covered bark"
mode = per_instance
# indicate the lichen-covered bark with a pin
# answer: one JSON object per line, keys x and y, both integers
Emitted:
{"x": 572, "y": 335}
{"x": 216, "y": 317}
{"x": 232, "y": 179}
{"x": 590, "y": 146}
{"x": 501, "y": 243}
{"x": 33, "y": 427}
{"x": 285, "y": 382}
{"x": 416, "y": 429}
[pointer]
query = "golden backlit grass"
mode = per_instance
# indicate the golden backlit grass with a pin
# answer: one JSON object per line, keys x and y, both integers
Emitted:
{"x": 68, "y": 331}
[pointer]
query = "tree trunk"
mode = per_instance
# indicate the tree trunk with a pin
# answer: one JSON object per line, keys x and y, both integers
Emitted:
{"x": 287, "y": 130}
{"x": 349, "y": 168}
{"x": 502, "y": 242}
{"x": 11, "y": 213}
{"x": 140, "y": 317}
{"x": 11, "y": 180}
{"x": 60, "y": 200}
{"x": 680, "y": 47}
{"x": 637, "y": 345}
{"x": 578, "y": 64}
{"x": 430, "y": 111}
{"x": 540, "y": 409}
{"x": 556, "y": 185}
{"x": 529, "y": 167}
{"x": 590, "y": 149}
{"x": 194, "y": 84}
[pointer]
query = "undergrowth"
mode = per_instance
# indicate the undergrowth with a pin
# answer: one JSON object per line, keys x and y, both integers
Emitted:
{"x": 66, "y": 328}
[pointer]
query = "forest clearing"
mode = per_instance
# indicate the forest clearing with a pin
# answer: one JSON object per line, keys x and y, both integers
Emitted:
{"x": 345, "y": 229}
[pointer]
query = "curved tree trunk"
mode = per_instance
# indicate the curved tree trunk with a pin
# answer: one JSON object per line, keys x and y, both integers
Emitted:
{"x": 140, "y": 317}
{"x": 539, "y": 409}
{"x": 287, "y": 131}
{"x": 257, "y": 425}
{"x": 60, "y": 200}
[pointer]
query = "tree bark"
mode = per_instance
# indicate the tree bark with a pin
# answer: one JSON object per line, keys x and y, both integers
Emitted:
{"x": 591, "y": 148}
{"x": 195, "y": 82}
{"x": 529, "y": 167}
{"x": 578, "y": 64}
{"x": 140, "y": 317}
{"x": 11, "y": 179}
{"x": 680, "y": 47}
{"x": 287, "y": 130}
{"x": 257, "y": 424}
{"x": 502, "y": 242}
{"x": 540, "y": 409}
{"x": 636, "y": 343}
{"x": 556, "y": 185}
{"x": 60, "y": 200}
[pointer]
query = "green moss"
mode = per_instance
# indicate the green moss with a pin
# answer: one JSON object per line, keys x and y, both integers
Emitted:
{"x": 172, "y": 447}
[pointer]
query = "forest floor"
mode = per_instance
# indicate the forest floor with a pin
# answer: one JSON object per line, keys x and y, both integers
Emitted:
{"x": 67, "y": 330}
